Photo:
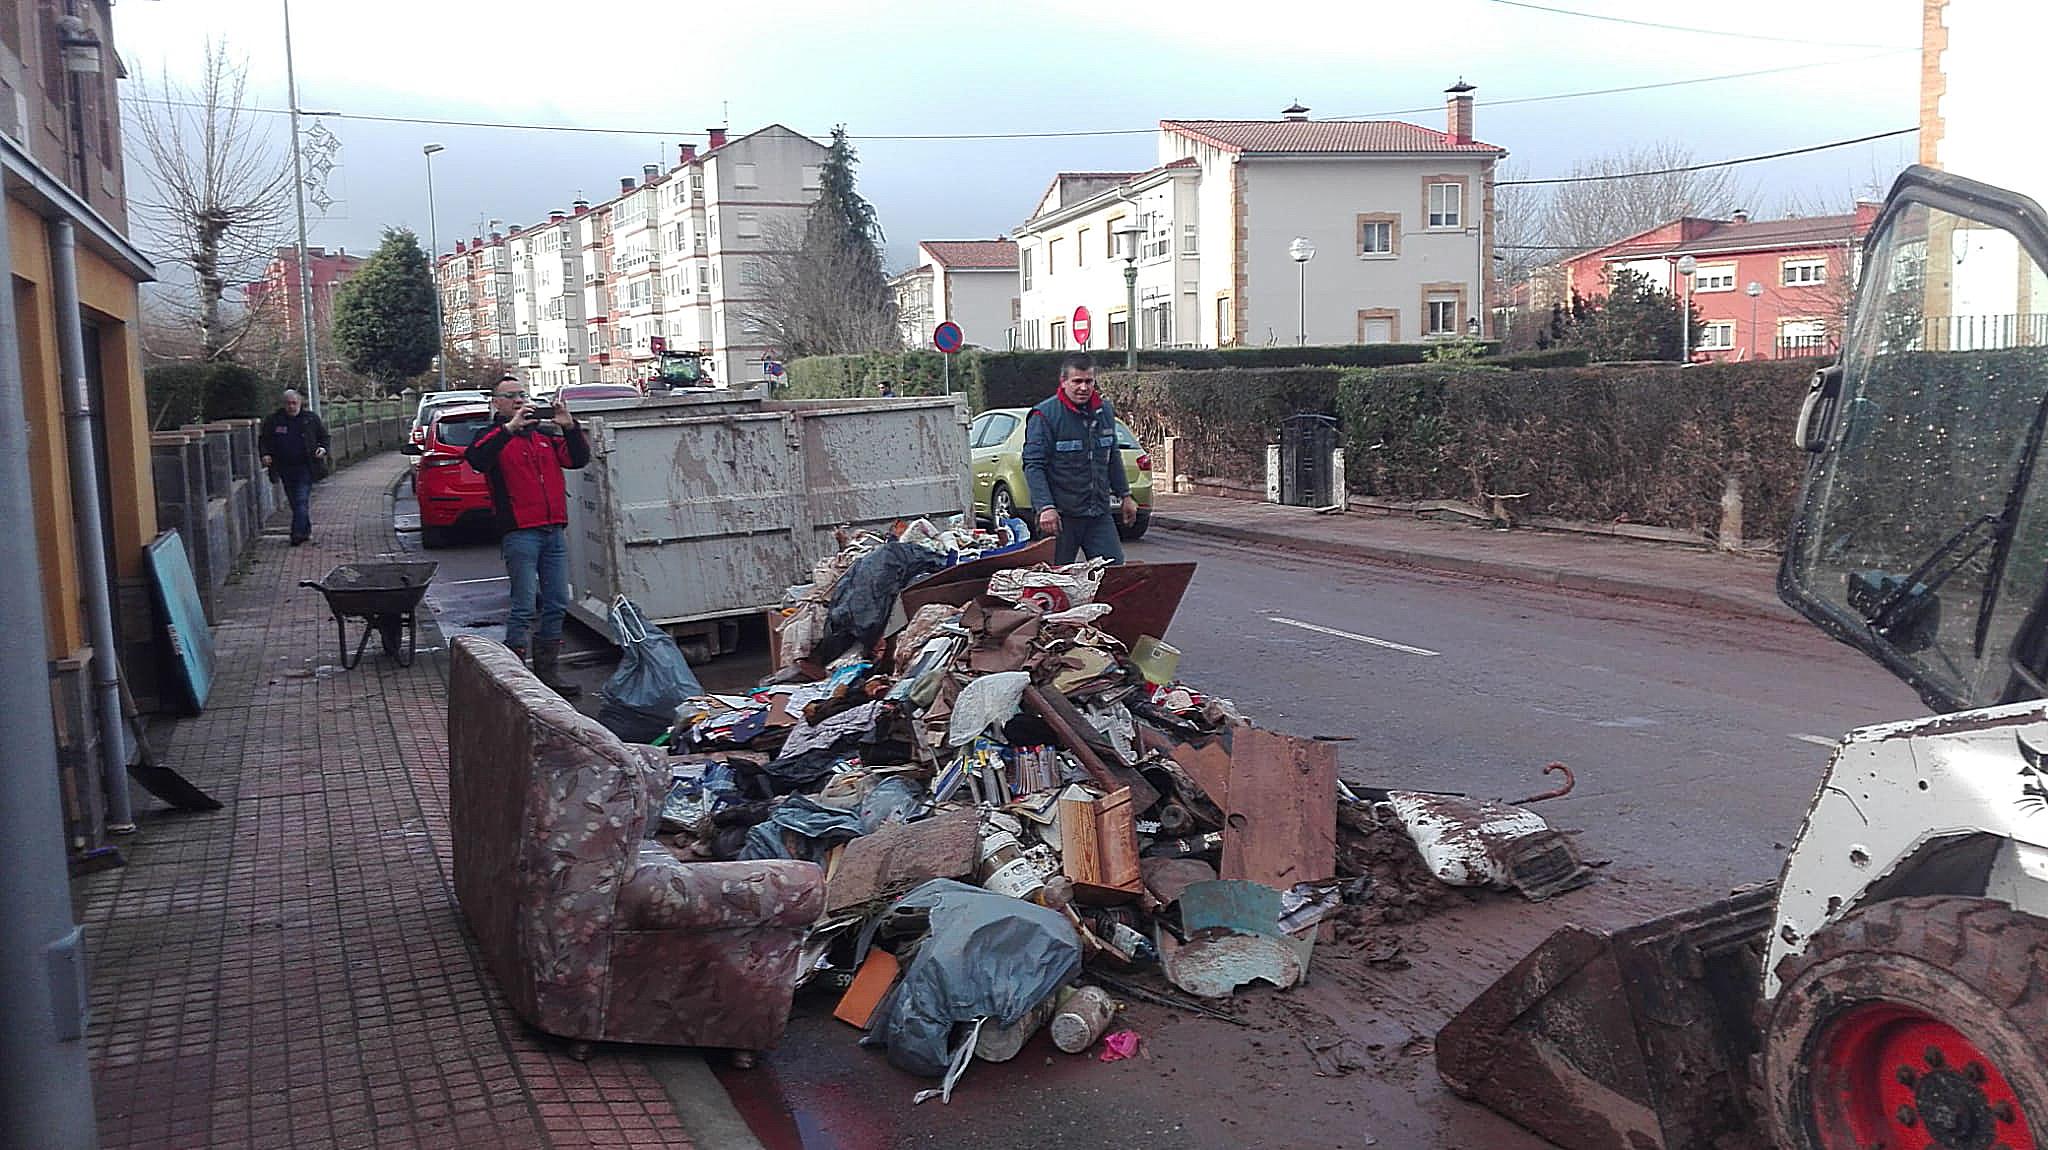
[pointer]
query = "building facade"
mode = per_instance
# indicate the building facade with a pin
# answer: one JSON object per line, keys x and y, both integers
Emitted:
{"x": 1764, "y": 289}
{"x": 972, "y": 283}
{"x": 675, "y": 260}
{"x": 1397, "y": 221}
{"x": 278, "y": 291}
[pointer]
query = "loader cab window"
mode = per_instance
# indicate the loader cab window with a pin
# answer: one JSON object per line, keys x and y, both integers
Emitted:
{"x": 1922, "y": 537}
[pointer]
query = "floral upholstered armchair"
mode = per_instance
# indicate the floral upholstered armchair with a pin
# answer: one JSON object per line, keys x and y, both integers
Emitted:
{"x": 594, "y": 931}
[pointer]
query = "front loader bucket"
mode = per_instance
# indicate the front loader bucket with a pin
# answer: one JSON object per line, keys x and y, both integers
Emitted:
{"x": 1635, "y": 1040}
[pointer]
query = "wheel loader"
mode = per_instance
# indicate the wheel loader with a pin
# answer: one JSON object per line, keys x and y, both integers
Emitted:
{"x": 1890, "y": 989}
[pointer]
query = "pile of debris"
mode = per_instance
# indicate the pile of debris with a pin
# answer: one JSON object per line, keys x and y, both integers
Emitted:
{"x": 1006, "y": 784}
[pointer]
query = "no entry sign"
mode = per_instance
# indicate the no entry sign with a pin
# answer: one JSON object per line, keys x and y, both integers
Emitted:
{"x": 1083, "y": 326}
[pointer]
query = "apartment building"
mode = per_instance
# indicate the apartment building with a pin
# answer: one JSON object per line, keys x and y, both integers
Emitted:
{"x": 972, "y": 283}
{"x": 1396, "y": 219}
{"x": 675, "y": 256}
{"x": 277, "y": 293}
{"x": 475, "y": 286}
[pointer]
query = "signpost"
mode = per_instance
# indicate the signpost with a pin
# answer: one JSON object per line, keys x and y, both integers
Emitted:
{"x": 1082, "y": 327}
{"x": 947, "y": 338}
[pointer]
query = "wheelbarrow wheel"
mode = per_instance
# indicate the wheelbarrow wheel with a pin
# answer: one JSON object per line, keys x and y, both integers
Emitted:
{"x": 391, "y": 629}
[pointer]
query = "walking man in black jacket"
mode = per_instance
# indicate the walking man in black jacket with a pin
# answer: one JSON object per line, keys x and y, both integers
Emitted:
{"x": 1075, "y": 468}
{"x": 294, "y": 446}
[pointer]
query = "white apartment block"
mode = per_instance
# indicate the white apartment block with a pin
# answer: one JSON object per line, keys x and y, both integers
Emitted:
{"x": 675, "y": 256}
{"x": 1399, "y": 218}
{"x": 969, "y": 282}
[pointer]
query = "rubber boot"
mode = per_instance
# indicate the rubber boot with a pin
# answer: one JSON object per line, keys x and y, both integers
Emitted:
{"x": 546, "y": 654}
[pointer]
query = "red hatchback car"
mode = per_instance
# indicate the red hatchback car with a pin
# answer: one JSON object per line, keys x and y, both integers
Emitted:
{"x": 452, "y": 494}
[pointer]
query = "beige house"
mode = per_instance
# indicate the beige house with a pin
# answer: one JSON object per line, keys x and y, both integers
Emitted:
{"x": 969, "y": 282}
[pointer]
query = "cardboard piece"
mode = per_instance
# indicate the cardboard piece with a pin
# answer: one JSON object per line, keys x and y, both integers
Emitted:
{"x": 876, "y": 975}
{"x": 1281, "y": 825}
{"x": 902, "y": 855}
{"x": 1099, "y": 847}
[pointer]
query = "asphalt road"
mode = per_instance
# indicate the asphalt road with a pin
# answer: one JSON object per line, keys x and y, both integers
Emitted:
{"x": 1697, "y": 740}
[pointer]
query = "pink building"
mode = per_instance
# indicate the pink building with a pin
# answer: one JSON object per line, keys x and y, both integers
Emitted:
{"x": 278, "y": 290}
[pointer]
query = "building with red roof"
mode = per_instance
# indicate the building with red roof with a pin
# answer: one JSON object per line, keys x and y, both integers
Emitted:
{"x": 969, "y": 282}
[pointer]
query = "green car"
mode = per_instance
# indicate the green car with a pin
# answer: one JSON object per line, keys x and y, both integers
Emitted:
{"x": 996, "y": 440}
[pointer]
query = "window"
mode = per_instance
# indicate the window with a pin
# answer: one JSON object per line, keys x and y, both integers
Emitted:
{"x": 703, "y": 279}
{"x": 992, "y": 429}
{"x": 1052, "y": 257}
{"x": 811, "y": 180}
{"x": 696, "y": 179}
{"x": 1446, "y": 205}
{"x": 1718, "y": 335}
{"x": 1118, "y": 331}
{"x": 1376, "y": 236}
{"x": 746, "y": 176}
{"x": 1157, "y": 236}
{"x": 1059, "y": 335}
{"x": 1801, "y": 272}
{"x": 749, "y": 224}
{"x": 1081, "y": 248}
{"x": 1443, "y": 314}
{"x": 1109, "y": 251}
{"x": 1714, "y": 277}
{"x": 1187, "y": 239}
{"x": 1226, "y": 334}
{"x": 1024, "y": 266}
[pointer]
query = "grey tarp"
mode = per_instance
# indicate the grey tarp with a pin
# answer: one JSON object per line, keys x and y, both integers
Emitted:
{"x": 988, "y": 955}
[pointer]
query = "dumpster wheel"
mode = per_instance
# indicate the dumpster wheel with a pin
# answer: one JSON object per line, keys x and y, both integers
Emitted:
{"x": 1913, "y": 1024}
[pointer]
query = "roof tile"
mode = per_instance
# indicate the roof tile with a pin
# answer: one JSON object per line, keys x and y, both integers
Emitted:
{"x": 970, "y": 254}
{"x": 1324, "y": 136}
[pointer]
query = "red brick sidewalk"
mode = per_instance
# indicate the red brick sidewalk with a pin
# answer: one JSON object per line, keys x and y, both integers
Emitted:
{"x": 292, "y": 970}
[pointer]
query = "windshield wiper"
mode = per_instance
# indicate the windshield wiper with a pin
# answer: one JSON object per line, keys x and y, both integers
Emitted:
{"x": 1891, "y": 601}
{"x": 2010, "y": 515}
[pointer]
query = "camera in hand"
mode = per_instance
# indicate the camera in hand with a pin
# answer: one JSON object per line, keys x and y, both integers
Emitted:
{"x": 544, "y": 419}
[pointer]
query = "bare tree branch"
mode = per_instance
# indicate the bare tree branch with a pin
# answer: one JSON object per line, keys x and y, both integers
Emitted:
{"x": 221, "y": 194}
{"x": 1588, "y": 215}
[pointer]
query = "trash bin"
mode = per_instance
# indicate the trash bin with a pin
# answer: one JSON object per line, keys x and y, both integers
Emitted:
{"x": 1308, "y": 449}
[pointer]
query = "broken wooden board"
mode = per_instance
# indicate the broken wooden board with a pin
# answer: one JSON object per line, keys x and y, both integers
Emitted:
{"x": 1099, "y": 847}
{"x": 901, "y": 855}
{"x": 1281, "y": 819}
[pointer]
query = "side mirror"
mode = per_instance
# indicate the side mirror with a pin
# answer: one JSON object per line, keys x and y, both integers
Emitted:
{"x": 1817, "y": 412}
{"x": 411, "y": 449}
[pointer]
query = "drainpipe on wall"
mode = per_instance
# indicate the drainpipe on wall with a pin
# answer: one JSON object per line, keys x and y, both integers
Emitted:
{"x": 85, "y": 504}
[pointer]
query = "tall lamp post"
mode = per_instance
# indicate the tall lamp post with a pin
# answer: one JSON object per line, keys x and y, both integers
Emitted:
{"x": 1301, "y": 251}
{"x": 1686, "y": 266}
{"x": 291, "y": 81}
{"x": 1128, "y": 236}
{"x": 1754, "y": 290}
{"x": 434, "y": 273}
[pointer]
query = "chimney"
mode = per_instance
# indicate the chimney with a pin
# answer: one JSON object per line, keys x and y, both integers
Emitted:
{"x": 649, "y": 173}
{"x": 1296, "y": 112}
{"x": 581, "y": 206}
{"x": 1458, "y": 111}
{"x": 625, "y": 183}
{"x": 497, "y": 238}
{"x": 717, "y": 137}
{"x": 460, "y": 247}
{"x": 1741, "y": 215}
{"x": 557, "y": 215}
{"x": 689, "y": 154}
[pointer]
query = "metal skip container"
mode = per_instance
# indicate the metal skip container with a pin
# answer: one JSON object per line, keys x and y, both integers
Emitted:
{"x": 704, "y": 509}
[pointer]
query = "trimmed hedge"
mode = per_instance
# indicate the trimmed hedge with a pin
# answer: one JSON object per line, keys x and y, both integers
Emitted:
{"x": 1225, "y": 416}
{"x": 181, "y": 393}
{"x": 1553, "y": 357}
{"x": 1643, "y": 444}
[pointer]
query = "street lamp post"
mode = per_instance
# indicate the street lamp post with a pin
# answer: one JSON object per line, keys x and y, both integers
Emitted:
{"x": 1754, "y": 290}
{"x": 291, "y": 80}
{"x": 1128, "y": 235}
{"x": 1686, "y": 266}
{"x": 434, "y": 273}
{"x": 1301, "y": 251}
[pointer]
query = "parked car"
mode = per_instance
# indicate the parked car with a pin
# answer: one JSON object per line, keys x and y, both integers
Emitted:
{"x": 996, "y": 441}
{"x": 439, "y": 399}
{"x": 453, "y": 496}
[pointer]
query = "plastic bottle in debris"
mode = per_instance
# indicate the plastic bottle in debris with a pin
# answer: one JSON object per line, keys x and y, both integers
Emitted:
{"x": 1084, "y": 1013}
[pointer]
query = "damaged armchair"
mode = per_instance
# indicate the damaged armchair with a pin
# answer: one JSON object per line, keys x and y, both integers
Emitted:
{"x": 594, "y": 931}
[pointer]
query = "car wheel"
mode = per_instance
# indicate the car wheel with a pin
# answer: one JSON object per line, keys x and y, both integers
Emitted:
{"x": 1137, "y": 528}
{"x": 1913, "y": 1022}
{"x": 433, "y": 538}
{"x": 1001, "y": 506}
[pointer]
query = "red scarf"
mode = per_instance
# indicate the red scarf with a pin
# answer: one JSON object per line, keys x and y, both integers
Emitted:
{"x": 1094, "y": 402}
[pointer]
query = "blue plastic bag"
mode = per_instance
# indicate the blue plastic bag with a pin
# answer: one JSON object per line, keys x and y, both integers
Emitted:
{"x": 653, "y": 679}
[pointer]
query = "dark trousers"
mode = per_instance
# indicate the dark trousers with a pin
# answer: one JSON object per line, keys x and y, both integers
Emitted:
{"x": 1094, "y": 535}
{"x": 298, "y": 490}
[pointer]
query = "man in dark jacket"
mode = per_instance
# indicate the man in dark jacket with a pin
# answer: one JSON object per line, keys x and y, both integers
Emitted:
{"x": 1075, "y": 469}
{"x": 294, "y": 446}
{"x": 523, "y": 465}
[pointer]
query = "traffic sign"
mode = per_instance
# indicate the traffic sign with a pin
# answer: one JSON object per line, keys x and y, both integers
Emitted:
{"x": 947, "y": 338}
{"x": 1082, "y": 326}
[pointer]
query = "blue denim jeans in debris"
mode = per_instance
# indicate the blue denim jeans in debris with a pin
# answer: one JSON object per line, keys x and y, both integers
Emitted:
{"x": 537, "y": 563}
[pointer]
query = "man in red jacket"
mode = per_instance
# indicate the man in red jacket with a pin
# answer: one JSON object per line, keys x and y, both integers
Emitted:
{"x": 523, "y": 464}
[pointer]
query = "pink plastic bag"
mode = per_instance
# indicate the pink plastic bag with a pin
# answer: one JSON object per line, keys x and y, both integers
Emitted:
{"x": 1119, "y": 1046}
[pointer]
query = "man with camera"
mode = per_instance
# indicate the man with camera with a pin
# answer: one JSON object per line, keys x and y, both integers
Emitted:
{"x": 522, "y": 457}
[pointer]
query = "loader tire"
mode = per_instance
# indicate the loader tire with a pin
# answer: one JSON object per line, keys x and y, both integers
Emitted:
{"x": 1914, "y": 1024}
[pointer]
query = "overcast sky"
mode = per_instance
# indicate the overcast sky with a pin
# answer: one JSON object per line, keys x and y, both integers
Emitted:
{"x": 897, "y": 67}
